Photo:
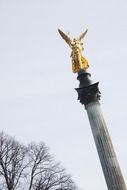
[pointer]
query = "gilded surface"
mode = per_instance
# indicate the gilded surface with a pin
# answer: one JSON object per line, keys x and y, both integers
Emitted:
{"x": 76, "y": 45}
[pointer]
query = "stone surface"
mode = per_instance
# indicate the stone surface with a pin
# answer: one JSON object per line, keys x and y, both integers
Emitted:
{"x": 109, "y": 163}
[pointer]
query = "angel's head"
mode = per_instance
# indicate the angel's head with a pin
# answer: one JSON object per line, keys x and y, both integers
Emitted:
{"x": 75, "y": 41}
{"x": 77, "y": 44}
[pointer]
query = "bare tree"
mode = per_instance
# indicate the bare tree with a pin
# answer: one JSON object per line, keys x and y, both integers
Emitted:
{"x": 12, "y": 159}
{"x": 30, "y": 168}
{"x": 54, "y": 179}
{"x": 45, "y": 174}
{"x": 39, "y": 160}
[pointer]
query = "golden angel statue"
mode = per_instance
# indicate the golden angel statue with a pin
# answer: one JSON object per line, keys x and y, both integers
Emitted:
{"x": 78, "y": 61}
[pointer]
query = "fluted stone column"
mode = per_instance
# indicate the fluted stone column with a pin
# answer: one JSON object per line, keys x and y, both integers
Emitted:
{"x": 89, "y": 95}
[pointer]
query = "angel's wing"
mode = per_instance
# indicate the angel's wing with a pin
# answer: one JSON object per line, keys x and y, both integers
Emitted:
{"x": 82, "y": 35}
{"x": 65, "y": 37}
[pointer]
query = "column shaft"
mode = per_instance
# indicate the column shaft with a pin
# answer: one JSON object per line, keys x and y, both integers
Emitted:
{"x": 109, "y": 163}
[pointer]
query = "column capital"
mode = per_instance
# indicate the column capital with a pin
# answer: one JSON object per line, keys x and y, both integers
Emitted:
{"x": 87, "y": 91}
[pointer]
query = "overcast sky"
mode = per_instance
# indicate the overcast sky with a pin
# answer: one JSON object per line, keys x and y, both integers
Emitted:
{"x": 37, "y": 97}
